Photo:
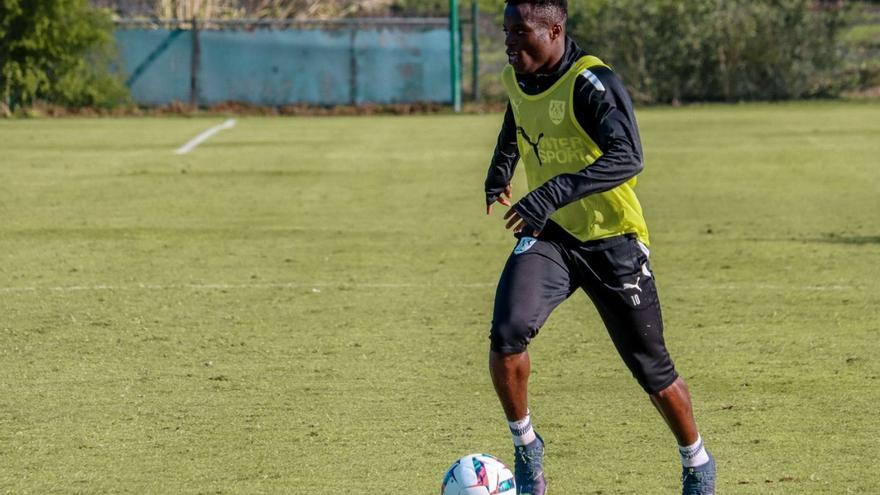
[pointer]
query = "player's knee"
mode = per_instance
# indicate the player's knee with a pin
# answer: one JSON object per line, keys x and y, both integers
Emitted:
{"x": 655, "y": 376}
{"x": 511, "y": 335}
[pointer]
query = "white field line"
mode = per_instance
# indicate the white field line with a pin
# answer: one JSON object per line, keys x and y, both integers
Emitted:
{"x": 316, "y": 287}
{"x": 191, "y": 145}
{"x": 221, "y": 287}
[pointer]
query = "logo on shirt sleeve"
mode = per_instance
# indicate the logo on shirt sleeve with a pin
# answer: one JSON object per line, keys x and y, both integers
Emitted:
{"x": 594, "y": 80}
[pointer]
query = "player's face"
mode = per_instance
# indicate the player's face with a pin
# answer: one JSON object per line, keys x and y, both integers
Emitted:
{"x": 528, "y": 38}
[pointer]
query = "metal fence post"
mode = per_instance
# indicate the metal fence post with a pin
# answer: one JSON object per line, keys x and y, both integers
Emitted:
{"x": 194, "y": 66}
{"x": 353, "y": 67}
{"x": 475, "y": 50}
{"x": 454, "y": 54}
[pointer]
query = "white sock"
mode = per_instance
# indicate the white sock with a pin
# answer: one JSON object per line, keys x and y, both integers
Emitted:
{"x": 522, "y": 431}
{"x": 694, "y": 455}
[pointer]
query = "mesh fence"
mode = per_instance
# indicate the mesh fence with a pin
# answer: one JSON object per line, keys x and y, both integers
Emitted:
{"x": 382, "y": 61}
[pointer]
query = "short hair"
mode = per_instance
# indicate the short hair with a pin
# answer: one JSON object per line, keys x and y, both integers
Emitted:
{"x": 555, "y": 11}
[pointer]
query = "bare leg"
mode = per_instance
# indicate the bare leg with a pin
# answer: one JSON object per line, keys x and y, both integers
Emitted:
{"x": 510, "y": 375}
{"x": 674, "y": 404}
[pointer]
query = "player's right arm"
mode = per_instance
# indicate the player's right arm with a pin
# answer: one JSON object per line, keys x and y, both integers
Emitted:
{"x": 504, "y": 162}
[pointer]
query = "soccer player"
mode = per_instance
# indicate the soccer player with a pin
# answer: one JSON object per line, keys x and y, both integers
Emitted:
{"x": 571, "y": 122}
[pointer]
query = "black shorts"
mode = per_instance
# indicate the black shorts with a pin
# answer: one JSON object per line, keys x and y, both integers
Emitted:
{"x": 615, "y": 273}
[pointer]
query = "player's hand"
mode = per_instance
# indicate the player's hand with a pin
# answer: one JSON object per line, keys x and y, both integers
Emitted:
{"x": 516, "y": 222}
{"x": 508, "y": 191}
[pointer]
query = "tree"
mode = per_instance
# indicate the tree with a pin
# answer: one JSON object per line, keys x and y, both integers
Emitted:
{"x": 58, "y": 51}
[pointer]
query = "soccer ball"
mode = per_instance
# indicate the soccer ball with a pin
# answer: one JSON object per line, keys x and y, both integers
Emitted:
{"x": 478, "y": 474}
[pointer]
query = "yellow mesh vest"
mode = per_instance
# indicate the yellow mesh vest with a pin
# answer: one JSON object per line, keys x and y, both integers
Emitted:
{"x": 551, "y": 142}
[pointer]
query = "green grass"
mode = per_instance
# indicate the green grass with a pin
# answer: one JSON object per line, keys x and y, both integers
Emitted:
{"x": 301, "y": 306}
{"x": 865, "y": 35}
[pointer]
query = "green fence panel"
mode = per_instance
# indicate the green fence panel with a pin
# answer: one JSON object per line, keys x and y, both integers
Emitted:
{"x": 156, "y": 63}
{"x": 401, "y": 67}
{"x": 270, "y": 67}
{"x": 348, "y": 64}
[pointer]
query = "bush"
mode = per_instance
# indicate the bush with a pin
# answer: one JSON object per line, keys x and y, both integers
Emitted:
{"x": 699, "y": 50}
{"x": 58, "y": 51}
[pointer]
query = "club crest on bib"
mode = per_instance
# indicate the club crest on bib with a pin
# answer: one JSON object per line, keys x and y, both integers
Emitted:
{"x": 557, "y": 111}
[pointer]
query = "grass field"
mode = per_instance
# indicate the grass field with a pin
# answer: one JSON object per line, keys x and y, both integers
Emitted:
{"x": 301, "y": 306}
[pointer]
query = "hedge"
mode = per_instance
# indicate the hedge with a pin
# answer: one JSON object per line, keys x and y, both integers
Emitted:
{"x": 714, "y": 50}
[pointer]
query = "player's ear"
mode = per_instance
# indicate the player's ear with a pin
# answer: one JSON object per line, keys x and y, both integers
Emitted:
{"x": 556, "y": 31}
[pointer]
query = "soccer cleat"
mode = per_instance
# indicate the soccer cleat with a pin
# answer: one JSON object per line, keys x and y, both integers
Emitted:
{"x": 699, "y": 480}
{"x": 529, "y": 468}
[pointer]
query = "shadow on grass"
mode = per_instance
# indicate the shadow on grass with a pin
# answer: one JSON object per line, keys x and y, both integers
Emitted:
{"x": 852, "y": 240}
{"x": 845, "y": 239}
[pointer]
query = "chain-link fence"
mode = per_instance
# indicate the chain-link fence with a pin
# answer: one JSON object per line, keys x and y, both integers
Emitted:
{"x": 287, "y": 62}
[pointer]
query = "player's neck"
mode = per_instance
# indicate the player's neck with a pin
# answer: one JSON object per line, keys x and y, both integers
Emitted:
{"x": 555, "y": 59}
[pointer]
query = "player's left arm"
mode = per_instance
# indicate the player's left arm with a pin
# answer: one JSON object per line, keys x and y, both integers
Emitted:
{"x": 604, "y": 110}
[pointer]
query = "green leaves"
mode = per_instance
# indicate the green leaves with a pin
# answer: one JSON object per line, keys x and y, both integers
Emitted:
{"x": 58, "y": 51}
{"x": 727, "y": 50}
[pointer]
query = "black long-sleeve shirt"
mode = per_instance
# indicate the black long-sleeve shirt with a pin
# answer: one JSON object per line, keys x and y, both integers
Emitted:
{"x": 604, "y": 110}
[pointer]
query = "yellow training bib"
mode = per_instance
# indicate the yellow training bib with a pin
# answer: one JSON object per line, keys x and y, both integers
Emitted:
{"x": 551, "y": 142}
